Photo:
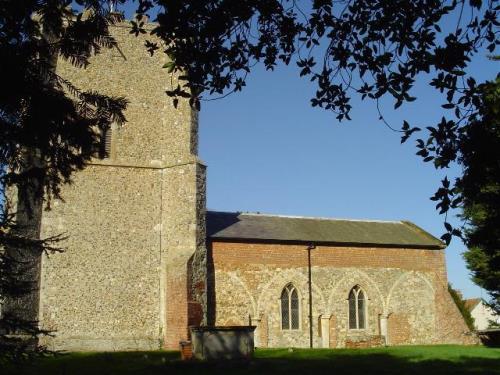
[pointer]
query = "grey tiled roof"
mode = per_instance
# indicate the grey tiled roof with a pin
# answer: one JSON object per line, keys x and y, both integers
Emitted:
{"x": 261, "y": 227}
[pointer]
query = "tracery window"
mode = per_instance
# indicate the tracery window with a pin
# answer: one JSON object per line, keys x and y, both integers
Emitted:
{"x": 357, "y": 308}
{"x": 289, "y": 307}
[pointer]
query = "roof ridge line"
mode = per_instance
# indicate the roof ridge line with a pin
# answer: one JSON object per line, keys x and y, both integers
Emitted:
{"x": 309, "y": 217}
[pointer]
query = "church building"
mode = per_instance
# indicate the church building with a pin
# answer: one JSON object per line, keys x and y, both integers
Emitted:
{"x": 144, "y": 260}
{"x": 372, "y": 282}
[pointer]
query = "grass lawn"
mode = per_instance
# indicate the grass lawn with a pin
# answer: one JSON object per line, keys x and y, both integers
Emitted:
{"x": 405, "y": 360}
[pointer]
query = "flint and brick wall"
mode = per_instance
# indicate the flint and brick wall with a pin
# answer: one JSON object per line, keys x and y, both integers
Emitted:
{"x": 185, "y": 258}
{"x": 406, "y": 286}
{"x": 134, "y": 260}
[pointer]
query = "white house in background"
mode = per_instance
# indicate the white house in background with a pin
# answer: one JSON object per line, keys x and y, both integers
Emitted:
{"x": 481, "y": 313}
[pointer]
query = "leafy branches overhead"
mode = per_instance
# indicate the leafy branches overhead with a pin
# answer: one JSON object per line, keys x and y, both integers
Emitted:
{"x": 372, "y": 48}
{"x": 368, "y": 47}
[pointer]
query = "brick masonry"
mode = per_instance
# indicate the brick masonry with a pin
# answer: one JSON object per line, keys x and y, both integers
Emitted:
{"x": 408, "y": 287}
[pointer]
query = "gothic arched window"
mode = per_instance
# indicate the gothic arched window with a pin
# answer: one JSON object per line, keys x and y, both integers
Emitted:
{"x": 289, "y": 307}
{"x": 357, "y": 308}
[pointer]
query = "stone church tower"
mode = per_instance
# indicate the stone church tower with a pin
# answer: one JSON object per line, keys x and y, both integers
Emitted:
{"x": 132, "y": 275}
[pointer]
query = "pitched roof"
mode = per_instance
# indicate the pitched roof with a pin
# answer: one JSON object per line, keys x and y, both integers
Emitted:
{"x": 471, "y": 303}
{"x": 261, "y": 227}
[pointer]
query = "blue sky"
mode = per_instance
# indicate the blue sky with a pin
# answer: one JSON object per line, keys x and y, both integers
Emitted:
{"x": 268, "y": 150}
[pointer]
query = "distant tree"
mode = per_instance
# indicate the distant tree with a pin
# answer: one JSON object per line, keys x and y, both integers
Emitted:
{"x": 48, "y": 130}
{"x": 460, "y": 303}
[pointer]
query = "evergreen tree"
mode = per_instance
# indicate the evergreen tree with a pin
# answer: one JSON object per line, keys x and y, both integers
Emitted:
{"x": 479, "y": 189}
{"x": 48, "y": 130}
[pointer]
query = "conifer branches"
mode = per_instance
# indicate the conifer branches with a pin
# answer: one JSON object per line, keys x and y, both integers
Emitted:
{"x": 47, "y": 132}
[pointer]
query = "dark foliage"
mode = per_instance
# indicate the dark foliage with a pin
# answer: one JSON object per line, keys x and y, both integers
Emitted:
{"x": 369, "y": 47}
{"x": 48, "y": 129}
{"x": 479, "y": 191}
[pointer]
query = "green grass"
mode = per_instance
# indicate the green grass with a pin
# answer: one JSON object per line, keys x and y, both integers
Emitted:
{"x": 407, "y": 360}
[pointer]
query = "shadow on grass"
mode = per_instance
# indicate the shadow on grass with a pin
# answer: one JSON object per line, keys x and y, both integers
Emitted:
{"x": 331, "y": 362}
{"x": 380, "y": 364}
